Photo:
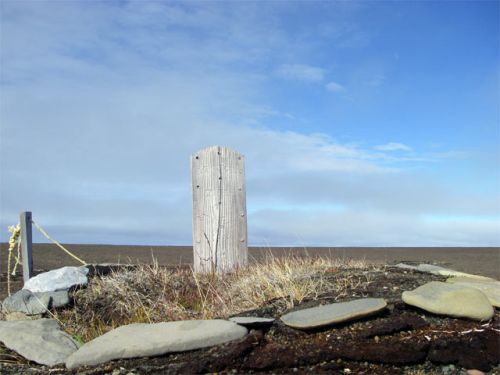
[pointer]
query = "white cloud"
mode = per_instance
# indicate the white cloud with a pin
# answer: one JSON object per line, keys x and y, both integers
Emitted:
{"x": 358, "y": 227}
{"x": 114, "y": 99}
{"x": 300, "y": 72}
{"x": 334, "y": 87}
{"x": 393, "y": 146}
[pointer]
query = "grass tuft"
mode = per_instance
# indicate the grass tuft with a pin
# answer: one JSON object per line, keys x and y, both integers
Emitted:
{"x": 150, "y": 293}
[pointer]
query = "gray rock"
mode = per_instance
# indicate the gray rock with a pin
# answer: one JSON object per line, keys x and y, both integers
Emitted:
{"x": 475, "y": 372}
{"x": 333, "y": 313}
{"x": 449, "y": 299}
{"x": 26, "y": 302}
{"x": 252, "y": 321}
{"x": 145, "y": 340}
{"x": 29, "y": 303}
{"x": 39, "y": 340}
{"x": 491, "y": 287}
{"x": 437, "y": 270}
{"x": 58, "y": 299}
{"x": 59, "y": 279}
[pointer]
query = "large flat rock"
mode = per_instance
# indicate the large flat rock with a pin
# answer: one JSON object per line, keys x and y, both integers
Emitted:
{"x": 333, "y": 313}
{"x": 41, "y": 340}
{"x": 58, "y": 279}
{"x": 438, "y": 270}
{"x": 490, "y": 287}
{"x": 452, "y": 300}
{"x": 146, "y": 340}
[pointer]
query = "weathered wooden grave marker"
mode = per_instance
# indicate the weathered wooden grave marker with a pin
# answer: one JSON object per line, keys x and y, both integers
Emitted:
{"x": 219, "y": 210}
{"x": 26, "y": 245}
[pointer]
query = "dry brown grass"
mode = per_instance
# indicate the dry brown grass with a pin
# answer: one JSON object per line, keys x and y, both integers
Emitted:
{"x": 150, "y": 293}
{"x": 10, "y": 357}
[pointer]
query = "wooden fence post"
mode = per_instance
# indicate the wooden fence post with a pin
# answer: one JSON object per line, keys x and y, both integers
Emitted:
{"x": 26, "y": 245}
{"x": 219, "y": 210}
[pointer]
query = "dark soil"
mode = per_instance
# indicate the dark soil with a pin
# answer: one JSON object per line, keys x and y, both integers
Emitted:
{"x": 400, "y": 340}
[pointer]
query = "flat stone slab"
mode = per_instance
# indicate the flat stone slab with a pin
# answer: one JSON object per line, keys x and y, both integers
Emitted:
{"x": 58, "y": 279}
{"x": 491, "y": 287}
{"x": 146, "y": 340}
{"x": 333, "y": 313}
{"x": 252, "y": 321}
{"x": 452, "y": 300}
{"x": 438, "y": 270}
{"x": 41, "y": 341}
{"x": 30, "y": 303}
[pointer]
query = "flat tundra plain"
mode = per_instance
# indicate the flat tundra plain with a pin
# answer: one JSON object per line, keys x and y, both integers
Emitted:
{"x": 481, "y": 260}
{"x": 477, "y": 260}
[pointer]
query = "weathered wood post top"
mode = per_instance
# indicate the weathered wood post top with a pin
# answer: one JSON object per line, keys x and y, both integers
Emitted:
{"x": 219, "y": 210}
{"x": 26, "y": 245}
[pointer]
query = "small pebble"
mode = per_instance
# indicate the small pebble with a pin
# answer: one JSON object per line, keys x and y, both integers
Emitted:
{"x": 475, "y": 372}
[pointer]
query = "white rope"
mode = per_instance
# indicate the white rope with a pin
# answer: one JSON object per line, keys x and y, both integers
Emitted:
{"x": 17, "y": 257}
{"x": 14, "y": 238}
{"x": 57, "y": 243}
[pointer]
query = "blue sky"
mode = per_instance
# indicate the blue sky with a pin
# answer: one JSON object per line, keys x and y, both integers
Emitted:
{"x": 362, "y": 123}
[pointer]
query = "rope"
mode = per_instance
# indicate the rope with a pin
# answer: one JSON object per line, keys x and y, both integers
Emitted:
{"x": 57, "y": 243}
{"x": 14, "y": 238}
{"x": 17, "y": 257}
